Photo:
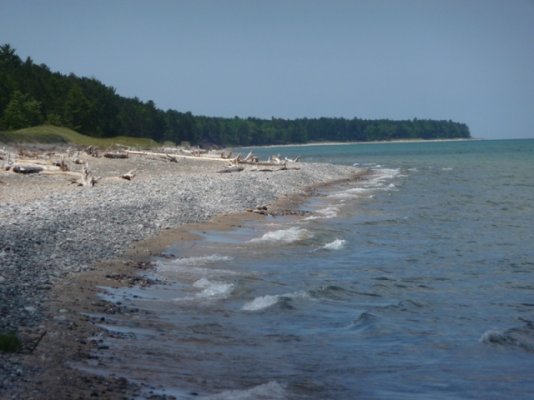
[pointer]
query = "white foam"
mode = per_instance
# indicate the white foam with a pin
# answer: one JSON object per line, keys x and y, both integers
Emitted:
{"x": 290, "y": 235}
{"x": 263, "y": 302}
{"x": 324, "y": 213}
{"x": 359, "y": 190}
{"x": 329, "y": 212}
{"x": 268, "y": 391}
{"x": 343, "y": 195}
{"x": 337, "y": 244}
{"x": 378, "y": 181}
{"x": 381, "y": 175}
{"x": 194, "y": 265}
{"x": 260, "y": 303}
{"x": 199, "y": 261}
{"x": 213, "y": 289}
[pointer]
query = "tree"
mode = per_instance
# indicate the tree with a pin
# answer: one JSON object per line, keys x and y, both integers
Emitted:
{"x": 77, "y": 109}
{"x": 8, "y": 57}
{"x": 29, "y": 92}
{"x": 22, "y": 111}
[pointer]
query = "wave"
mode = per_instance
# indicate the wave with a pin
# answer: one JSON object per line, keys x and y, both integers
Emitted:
{"x": 195, "y": 265}
{"x": 290, "y": 235}
{"x": 365, "y": 322}
{"x": 337, "y": 244}
{"x": 522, "y": 337}
{"x": 199, "y": 261}
{"x": 263, "y": 302}
{"x": 211, "y": 289}
{"x": 271, "y": 390}
{"x": 377, "y": 181}
{"x": 332, "y": 292}
{"x": 326, "y": 213}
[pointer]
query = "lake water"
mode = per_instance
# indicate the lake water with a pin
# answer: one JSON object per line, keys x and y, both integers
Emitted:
{"x": 416, "y": 282}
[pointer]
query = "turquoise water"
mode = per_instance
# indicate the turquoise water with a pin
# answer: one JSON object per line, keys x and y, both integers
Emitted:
{"x": 414, "y": 283}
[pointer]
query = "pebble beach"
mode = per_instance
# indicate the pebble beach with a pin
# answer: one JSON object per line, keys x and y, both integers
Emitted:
{"x": 52, "y": 230}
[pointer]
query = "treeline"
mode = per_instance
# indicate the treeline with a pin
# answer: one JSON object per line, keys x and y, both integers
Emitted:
{"x": 31, "y": 94}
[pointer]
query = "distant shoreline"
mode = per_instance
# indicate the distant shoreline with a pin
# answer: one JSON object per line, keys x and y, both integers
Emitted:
{"x": 372, "y": 142}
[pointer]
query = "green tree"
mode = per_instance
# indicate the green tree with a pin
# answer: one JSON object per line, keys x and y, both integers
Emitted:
{"x": 77, "y": 109}
{"x": 22, "y": 111}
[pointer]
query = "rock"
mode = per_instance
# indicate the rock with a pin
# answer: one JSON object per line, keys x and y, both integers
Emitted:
{"x": 2, "y": 279}
{"x": 30, "y": 309}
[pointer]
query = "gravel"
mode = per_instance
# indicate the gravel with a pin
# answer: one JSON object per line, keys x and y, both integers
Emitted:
{"x": 50, "y": 229}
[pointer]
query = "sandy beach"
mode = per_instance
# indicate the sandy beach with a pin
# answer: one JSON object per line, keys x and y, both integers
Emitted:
{"x": 58, "y": 242}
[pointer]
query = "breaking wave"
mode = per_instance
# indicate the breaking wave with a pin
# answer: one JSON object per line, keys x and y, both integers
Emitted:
{"x": 325, "y": 213}
{"x": 195, "y": 266}
{"x": 213, "y": 289}
{"x": 263, "y": 302}
{"x": 198, "y": 261}
{"x": 290, "y": 235}
{"x": 337, "y": 244}
{"x": 377, "y": 181}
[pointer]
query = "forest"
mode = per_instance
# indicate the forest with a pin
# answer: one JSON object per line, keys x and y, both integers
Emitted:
{"x": 31, "y": 94}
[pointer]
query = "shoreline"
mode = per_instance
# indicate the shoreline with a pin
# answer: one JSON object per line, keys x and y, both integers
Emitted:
{"x": 370, "y": 142}
{"x": 60, "y": 247}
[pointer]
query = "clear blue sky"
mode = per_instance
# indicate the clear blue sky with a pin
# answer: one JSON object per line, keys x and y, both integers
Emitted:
{"x": 466, "y": 60}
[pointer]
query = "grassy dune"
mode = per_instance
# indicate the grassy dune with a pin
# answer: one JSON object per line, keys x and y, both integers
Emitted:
{"x": 57, "y": 135}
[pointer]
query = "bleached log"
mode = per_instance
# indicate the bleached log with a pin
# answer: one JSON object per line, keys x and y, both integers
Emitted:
{"x": 129, "y": 175}
{"x": 251, "y": 158}
{"x": 86, "y": 178}
{"x": 177, "y": 156}
{"x": 231, "y": 168}
{"x": 275, "y": 160}
{"x": 259, "y": 163}
{"x": 296, "y": 159}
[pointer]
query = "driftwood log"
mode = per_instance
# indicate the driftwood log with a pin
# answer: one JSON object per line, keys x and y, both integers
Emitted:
{"x": 231, "y": 168}
{"x": 170, "y": 156}
{"x": 129, "y": 175}
{"x": 27, "y": 169}
{"x": 116, "y": 154}
{"x": 61, "y": 165}
{"x": 86, "y": 178}
{"x": 92, "y": 151}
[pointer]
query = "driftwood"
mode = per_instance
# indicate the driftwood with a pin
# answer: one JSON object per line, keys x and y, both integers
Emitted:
{"x": 86, "y": 178}
{"x": 168, "y": 156}
{"x": 116, "y": 154}
{"x": 27, "y": 169}
{"x": 231, "y": 168}
{"x": 263, "y": 210}
{"x": 129, "y": 175}
{"x": 250, "y": 158}
{"x": 62, "y": 165}
{"x": 92, "y": 151}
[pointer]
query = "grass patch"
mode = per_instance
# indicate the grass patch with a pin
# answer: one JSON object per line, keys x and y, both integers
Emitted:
{"x": 9, "y": 343}
{"x": 51, "y": 134}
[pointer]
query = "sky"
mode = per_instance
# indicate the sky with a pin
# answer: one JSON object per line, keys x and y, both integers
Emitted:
{"x": 469, "y": 61}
